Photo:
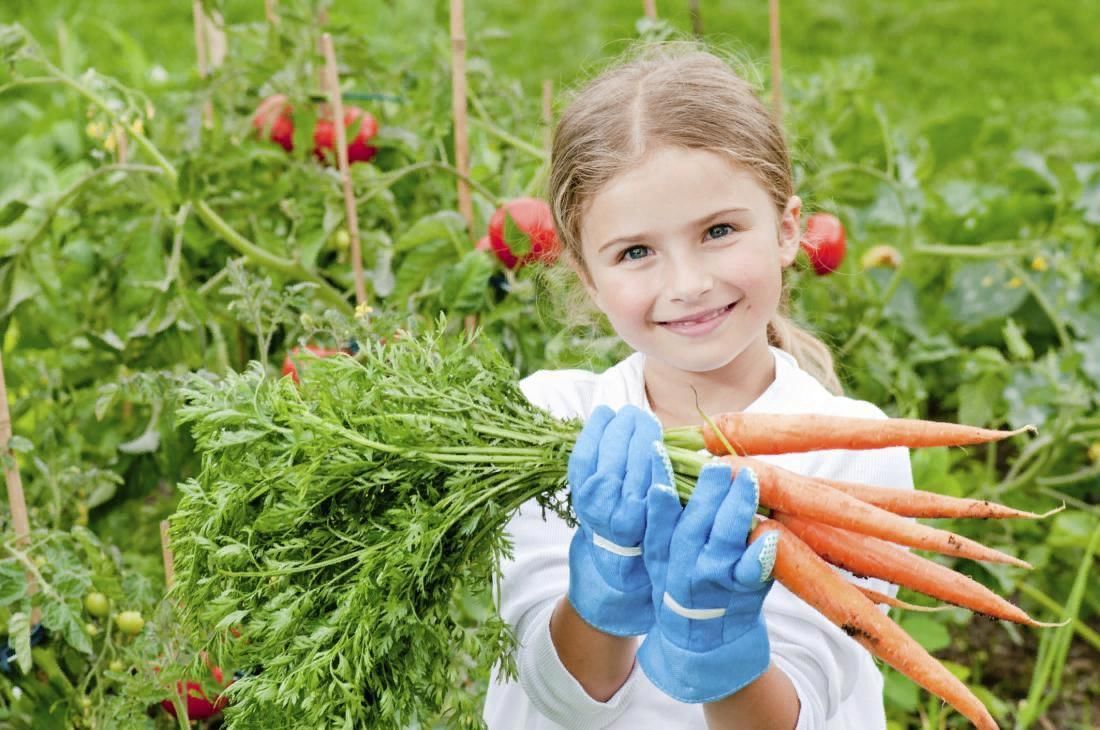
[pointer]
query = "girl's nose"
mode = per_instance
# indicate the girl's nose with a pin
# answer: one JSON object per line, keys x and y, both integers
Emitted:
{"x": 688, "y": 278}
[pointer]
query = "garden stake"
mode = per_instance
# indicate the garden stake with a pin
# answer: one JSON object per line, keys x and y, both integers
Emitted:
{"x": 16, "y": 498}
{"x": 201, "y": 50}
{"x": 336, "y": 108}
{"x": 458, "y": 99}
{"x": 650, "y": 8}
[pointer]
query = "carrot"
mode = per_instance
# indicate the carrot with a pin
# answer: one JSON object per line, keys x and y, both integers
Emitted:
{"x": 877, "y": 597}
{"x": 919, "y": 503}
{"x": 874, "y": 558}
{"x": 810, "y": 578}
{"x": 770, "y": 433}
{"x": 785, "y": 491}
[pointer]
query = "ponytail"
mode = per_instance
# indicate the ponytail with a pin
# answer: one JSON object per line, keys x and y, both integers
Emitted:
{"x": 811, "y": 354}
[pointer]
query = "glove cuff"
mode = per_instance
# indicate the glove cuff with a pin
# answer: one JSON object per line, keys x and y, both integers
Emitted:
{"x": 694, "y": 677}
{"x": 607, "y": 608}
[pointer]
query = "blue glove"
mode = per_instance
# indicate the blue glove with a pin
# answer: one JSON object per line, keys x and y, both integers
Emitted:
{"x": 609, "y": 475}
{"x": 709, "y": 639}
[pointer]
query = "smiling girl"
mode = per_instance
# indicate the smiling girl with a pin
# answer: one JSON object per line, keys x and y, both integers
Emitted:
{"x": 672, "y": 195}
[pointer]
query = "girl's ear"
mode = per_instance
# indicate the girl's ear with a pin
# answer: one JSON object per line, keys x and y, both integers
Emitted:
{"x": 790, "y": 231}
{"x": 581, "y": 271}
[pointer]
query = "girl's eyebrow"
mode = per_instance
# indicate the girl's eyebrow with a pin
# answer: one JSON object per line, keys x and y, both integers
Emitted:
{"x": 639, "y": 237}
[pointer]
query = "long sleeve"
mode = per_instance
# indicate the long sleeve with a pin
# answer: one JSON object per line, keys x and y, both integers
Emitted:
{"x": 534, "y": 581}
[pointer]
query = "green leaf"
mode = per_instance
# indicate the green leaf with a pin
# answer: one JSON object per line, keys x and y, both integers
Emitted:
{"x": 1070, "y": 530}
{"x": 518, "y": 242}
{"x": 1014, "y": 340}
{"x": 928, "y": 632}
{"x": 465, "y": 286}
{"x": 19, "y": 638}
{"x": 983, "y": 291}
{"x": 444, "y": 225}
{"x": 419, "y": 265}
{"x": 13, "y": 582}
{"x": 63, "y": 619}
{"x": 11, "y": 212}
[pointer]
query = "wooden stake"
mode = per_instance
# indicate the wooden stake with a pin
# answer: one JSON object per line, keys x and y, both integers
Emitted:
{"x": 16, "y": 499}
{"x": 548, "y": 113}
{"x": 166, "y": 554}
{"x": 650, "y": 8}
{"x": 696, "y": 18}
{"x": 199, "y": 19}
{"x": 458, "y": 96}
{"x": 777, "y": 77}
{"x": 270, "y": 12}
{"x": 336, "y": 108}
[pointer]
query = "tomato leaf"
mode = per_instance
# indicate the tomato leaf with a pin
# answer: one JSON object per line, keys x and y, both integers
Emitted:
{"x": 465, "y": 286}
{"x": 19, "y": 637}
{"x": 63, "y": 619}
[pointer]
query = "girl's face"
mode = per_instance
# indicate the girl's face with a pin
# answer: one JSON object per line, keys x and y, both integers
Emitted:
{"x": 685, "y": 254}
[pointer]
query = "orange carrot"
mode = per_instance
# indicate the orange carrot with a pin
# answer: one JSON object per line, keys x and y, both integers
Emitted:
{"x": 810, "y": 578}
{"x": 919, "y": 503}
{"x": 786, "y": 491}
{"x": 769, "y": 433}
{"x": 874, "y": 558}
{"x": 877, "y": 597}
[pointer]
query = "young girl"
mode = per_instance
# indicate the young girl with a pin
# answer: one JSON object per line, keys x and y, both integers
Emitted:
{"x": 672, "y": 194}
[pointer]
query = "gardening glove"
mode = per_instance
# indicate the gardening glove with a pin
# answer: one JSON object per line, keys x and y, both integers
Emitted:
{"x": 709, "y": 639}
{"x": 609, "y": 474}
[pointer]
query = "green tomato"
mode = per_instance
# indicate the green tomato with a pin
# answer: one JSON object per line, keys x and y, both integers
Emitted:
{"x": 91, "y": 628}
{"x": 342, "y": 238}
{"x": 130, "y": 622}
{"x": 96, "y": 604}
{"x": 116, "y": 666}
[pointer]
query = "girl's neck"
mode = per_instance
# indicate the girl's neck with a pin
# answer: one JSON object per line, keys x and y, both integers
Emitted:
{"x": 732, "y": 387}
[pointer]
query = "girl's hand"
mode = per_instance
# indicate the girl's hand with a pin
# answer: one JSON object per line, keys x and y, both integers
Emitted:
{"x": 609, "y": 475}
{"x": 709, "y": 585}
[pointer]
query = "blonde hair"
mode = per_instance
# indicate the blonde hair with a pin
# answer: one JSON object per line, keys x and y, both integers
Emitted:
{"x": 675, "y": 94}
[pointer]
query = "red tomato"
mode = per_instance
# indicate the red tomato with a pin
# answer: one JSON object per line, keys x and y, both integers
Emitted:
{"x": 291, "y": 364}
{"x": 274, "y": 113}
{"x": 199, "y": 707}
{"x": 324, "y": 136}
{"x": 534, "y": 219}
{"x": 824, "y": 242}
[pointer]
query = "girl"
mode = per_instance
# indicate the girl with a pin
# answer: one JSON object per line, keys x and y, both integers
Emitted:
{"x": 672, "y": 195}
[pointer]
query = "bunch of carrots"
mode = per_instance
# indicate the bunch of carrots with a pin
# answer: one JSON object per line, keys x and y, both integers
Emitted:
{"x": 859, "y": 527}
{"x": 355, "y": 505}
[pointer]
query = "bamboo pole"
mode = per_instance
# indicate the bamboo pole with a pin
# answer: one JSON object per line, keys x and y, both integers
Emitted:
{"x": 777, "y": 77}
{"x": 17, "y": 501}
{"x": 650, "y": 8}
{"x": 166, "y": 554}
{"x": 270, "y": 13}
{"x": 336, "y": 108}
{"x": 458, "y": 96}
{"x": 696, "y": 18}
{"x": 199, "y": 19}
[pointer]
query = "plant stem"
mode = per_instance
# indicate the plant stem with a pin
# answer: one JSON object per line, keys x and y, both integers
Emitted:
{"x": 268, "y": 259}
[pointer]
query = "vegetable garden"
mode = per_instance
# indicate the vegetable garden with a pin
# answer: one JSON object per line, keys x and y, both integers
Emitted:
{"x": 222, "y": 315}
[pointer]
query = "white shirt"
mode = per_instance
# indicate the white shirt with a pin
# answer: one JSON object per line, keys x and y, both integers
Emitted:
{"x": 838, "y": 684}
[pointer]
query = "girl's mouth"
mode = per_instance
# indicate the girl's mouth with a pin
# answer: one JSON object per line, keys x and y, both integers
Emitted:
{"x": 700, "y": 324}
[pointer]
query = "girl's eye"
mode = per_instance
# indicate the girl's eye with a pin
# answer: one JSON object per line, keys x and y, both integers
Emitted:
{"x": 720, "y": 230}
{"x": 634, "y": 253}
